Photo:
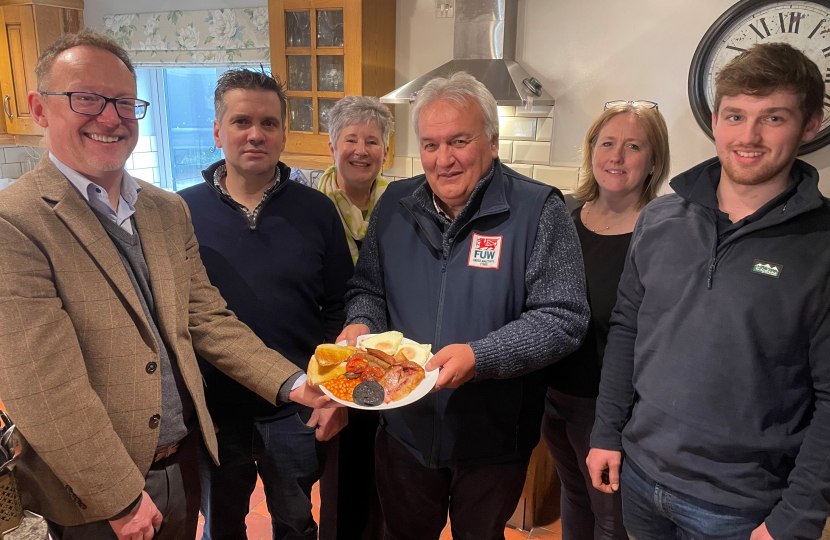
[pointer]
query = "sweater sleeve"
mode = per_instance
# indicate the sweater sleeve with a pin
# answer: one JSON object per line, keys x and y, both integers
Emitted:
{"x": 222, "y": 339}
{"x": 366, "y": 297}
{"x": 337, "y": 269}
{"x": 557, "y": 314}
{"x": 616, "y": 387}
{"x": 805, "y": 504}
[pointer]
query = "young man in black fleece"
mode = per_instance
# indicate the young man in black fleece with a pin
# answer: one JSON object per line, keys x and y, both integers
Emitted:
{"x": 716, "y": 380}
{"x": 277, "y": 252}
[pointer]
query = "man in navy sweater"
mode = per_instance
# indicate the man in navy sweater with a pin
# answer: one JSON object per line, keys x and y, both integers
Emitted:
{"x": 716, "y": 378}
{"x": 277, "y": 252}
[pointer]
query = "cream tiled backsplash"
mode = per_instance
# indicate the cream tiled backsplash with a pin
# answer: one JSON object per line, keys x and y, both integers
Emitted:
{"x": 16, "y": 160}
{"x": 524, "y": 146}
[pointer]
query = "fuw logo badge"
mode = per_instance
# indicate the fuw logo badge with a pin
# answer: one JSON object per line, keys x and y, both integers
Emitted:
{"x": 767, "y": 268}
{"x": 485, "y": 251}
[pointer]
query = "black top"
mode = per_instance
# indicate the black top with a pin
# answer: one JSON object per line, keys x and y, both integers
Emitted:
{"x": 285, "y": 278}
{"x": 604, "y": 255}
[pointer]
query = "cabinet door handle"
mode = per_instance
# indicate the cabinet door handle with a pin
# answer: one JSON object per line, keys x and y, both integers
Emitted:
{"x": 6, "y": 107}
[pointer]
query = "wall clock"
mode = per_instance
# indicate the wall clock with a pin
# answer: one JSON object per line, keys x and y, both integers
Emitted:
{"x": 804, "y": 25}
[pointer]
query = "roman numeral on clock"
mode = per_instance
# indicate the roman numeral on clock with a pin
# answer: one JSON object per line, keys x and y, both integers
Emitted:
{"x": 744, "y": 50}
{"x": 827, "y": 76}
{"x": 795, "y": 21}
{"x": 764, "y": 25}
{"x": 821, "y": 22}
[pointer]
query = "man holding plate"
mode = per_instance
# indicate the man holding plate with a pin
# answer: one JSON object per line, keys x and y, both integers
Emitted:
{"x": 484, "y": 264}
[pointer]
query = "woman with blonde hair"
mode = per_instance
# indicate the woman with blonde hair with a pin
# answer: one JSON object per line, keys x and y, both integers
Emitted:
{"x": 625, "y": 163}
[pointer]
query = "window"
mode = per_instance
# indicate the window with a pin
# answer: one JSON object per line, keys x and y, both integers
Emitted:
{"x": 176, "y": 137}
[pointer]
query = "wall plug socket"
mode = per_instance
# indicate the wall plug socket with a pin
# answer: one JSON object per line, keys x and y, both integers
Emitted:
{"x": 446, "y": 9}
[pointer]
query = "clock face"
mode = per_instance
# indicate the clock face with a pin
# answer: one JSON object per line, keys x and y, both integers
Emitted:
{"x": 804, "y": 25}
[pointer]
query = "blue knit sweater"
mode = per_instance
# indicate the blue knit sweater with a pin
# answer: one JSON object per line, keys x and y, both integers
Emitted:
{"x": 284, "y": 275}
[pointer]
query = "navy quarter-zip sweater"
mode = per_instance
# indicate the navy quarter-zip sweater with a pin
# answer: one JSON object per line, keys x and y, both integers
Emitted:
{"x": 716, "y": 377}
{"x": 284, "y": 276}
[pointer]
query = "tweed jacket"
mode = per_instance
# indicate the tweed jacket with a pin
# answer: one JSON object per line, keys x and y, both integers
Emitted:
{"x": 75, "y": 344}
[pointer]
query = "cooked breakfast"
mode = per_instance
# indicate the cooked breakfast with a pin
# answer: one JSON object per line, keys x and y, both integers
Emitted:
{"x": 380, "y": 370}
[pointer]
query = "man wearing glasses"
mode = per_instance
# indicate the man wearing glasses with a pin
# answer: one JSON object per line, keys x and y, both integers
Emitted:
{"x": 103, "y": 300}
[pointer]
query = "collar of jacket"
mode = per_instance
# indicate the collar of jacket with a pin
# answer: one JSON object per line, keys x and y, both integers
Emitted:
{"x": 207, "y": 175}
{"x": 807, "y": 196}
{"x": 487, "y": 198}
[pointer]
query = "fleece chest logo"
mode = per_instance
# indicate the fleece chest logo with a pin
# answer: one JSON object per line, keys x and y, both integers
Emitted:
{"x": 485, "y": 251}
{"x": 767, "y": 268}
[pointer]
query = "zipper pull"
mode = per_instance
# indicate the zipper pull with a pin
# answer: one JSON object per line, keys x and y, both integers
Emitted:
{"x": 711, "y": 274}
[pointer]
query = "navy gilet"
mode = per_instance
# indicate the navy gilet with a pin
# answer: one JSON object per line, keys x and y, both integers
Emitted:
{"x": 440, "y": 298}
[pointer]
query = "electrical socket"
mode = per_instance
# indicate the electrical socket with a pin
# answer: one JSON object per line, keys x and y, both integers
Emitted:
{"x": 446, "y": 9}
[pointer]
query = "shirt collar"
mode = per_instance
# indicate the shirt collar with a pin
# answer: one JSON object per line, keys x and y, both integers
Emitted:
{"x": 129, "y": 187}
{"x": 222, "y": 171}
{"x": 438, "y": 207}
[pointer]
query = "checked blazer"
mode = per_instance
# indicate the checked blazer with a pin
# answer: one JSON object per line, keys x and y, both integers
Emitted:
{"x": 75, "y": 345}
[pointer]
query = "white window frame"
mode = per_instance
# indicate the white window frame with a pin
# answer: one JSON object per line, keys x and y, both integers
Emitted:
{"x": 158, "y": 112}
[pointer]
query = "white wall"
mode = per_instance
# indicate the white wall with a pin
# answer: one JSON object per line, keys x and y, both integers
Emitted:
{"x": 587, "y": 52}
{"x": 94, "y": 10}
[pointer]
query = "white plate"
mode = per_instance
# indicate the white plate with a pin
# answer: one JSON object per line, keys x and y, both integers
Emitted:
{"x": 430, "y": 378}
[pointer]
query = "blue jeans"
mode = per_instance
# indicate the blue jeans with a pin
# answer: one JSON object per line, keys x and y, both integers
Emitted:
{"x": 653, "y": 512}
{"x": 287, "y": 456}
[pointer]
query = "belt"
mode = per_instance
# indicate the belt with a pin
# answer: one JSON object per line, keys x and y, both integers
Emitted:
{"x": 166, "y": 452}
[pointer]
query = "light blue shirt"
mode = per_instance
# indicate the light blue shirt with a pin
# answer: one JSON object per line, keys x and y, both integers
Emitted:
{"x": 97, "y": 196}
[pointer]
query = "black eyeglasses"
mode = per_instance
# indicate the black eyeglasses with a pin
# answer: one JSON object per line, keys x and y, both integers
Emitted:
{"x": 643, "y": 104}
{"x": 94, "y": 104}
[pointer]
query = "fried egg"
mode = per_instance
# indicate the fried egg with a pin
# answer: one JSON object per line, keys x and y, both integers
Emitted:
{"x": 415, "y": 352}
{"x": 387, "y": 342}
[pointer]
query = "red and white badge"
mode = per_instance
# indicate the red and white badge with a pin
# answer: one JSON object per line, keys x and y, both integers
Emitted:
{"x": 485, "y": 251}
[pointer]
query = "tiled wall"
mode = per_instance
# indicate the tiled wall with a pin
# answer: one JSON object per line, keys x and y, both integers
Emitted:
{"x": 524, "y": 145}
{"x": 16, "y": 160}
{"x": 144, "y": 161}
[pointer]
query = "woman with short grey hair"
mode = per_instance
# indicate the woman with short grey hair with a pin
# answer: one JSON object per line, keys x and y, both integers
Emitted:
{"x": 359, "y": 129}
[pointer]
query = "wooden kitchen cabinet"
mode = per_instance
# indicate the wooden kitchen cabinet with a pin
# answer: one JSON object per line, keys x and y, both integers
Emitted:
{"x": 28, "y": 27}
{"x": 324, "y": 50}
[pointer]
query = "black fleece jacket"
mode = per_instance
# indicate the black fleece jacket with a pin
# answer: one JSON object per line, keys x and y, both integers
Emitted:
{"x": 716, "y": 378}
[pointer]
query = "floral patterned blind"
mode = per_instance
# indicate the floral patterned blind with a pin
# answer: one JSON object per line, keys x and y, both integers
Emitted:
{"x": 218, "y": 36}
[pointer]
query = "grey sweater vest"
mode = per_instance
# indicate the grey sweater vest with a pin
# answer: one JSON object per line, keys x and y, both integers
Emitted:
{"x": 176, "y": 405}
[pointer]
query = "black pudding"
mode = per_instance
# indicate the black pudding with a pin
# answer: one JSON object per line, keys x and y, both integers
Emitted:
{"x": 368, "y": 393}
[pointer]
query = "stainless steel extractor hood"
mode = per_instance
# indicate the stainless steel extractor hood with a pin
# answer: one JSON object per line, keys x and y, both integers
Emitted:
{"x": 484, "y": 45}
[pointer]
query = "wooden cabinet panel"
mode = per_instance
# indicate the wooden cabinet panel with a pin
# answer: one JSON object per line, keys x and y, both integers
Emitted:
{"x": 25, "y": 30}
{"x": 17, "y": 70}
{"x": 363, "y": 65}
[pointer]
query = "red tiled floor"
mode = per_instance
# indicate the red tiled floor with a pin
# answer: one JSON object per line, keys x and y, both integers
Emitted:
{"x": 259, "y": 526}
{"x": 261, "y": 508}
{"x": 541, "y": 533}
{"x": 257, "y": 496}
{"x": 259, "y": 521}
{"x": 315, "y": 495}
{"x": 515, "y": 534}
